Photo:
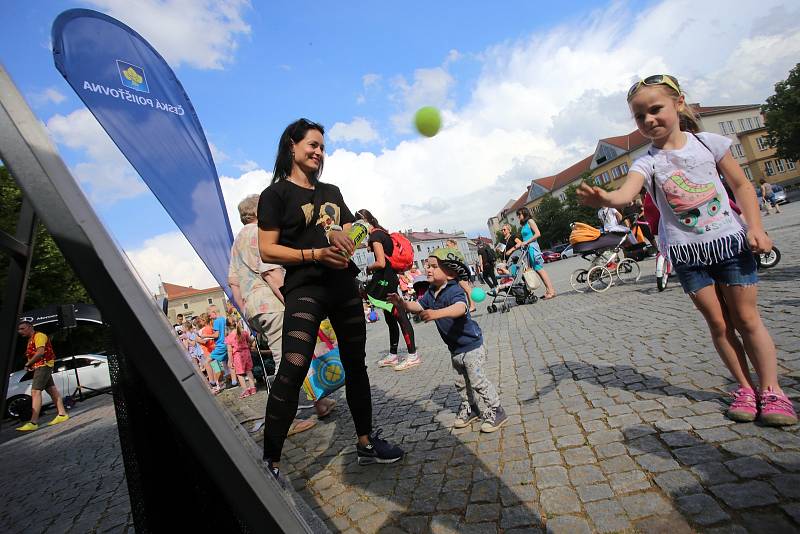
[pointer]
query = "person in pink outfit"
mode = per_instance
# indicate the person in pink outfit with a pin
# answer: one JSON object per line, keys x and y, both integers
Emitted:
{"x": 238, "y": 343}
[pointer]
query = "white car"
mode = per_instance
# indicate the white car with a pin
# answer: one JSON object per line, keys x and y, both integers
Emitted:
{"x": 92, "y": 371}
{"x": 567, "y": 253}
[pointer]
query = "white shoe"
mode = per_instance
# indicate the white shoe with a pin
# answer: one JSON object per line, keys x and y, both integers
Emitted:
{"x": 408, "y": 363}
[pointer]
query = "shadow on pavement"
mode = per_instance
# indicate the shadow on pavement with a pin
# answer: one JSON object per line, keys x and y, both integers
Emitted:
{"x": 455, "y": 479}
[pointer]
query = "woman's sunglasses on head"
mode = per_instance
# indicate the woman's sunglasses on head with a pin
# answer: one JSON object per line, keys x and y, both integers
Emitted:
{"x": 656, "y": 79}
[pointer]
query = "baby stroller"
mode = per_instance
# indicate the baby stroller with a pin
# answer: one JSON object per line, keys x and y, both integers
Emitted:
{"x": 607, "y": 258}
{"x": 521, "y": 287}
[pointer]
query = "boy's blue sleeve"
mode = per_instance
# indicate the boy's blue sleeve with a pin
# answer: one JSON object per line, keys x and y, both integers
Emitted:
{"x": 457, "y": 296}
{"x": 426, "y": 301}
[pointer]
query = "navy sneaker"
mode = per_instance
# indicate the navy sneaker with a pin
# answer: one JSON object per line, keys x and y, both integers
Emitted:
{"x": 466, "y": 415}
{"x": 378, "y": 451}
{"x": 494, "y": 419}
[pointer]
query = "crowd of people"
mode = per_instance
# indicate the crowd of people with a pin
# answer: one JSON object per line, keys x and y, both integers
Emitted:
{"x": 291, "y": 268}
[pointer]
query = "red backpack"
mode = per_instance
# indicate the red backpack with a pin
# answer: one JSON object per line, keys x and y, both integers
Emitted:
{"x": 402, "y": 257}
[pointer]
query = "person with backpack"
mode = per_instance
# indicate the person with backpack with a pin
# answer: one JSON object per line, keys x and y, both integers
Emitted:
{"x": 393, "y": 254}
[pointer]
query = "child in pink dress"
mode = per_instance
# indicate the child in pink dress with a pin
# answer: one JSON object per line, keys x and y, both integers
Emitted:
{"x": 238, "y": 342}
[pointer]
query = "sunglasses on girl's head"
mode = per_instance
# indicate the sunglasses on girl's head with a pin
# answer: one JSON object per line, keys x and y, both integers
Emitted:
{"x": 657, "y": 79}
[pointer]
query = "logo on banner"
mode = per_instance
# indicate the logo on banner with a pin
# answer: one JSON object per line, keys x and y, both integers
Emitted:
{"x": 132, "y": 76}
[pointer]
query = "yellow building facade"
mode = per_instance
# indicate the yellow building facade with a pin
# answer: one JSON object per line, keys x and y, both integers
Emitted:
{"x": 762, "y": 161}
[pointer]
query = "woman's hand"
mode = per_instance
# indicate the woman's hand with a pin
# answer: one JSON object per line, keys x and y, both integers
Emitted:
{"x": 759, "y": 241}
{"x": 341, "y": 241}
{"x": 331, "y": 257}
{"x": 592, "y": 196}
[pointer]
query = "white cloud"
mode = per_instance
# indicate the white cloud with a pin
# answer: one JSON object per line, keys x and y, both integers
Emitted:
{"x": 47, "y": 96}
{"x": 107, "y": 173}
{"x": 359, "y": 129}
{"x": 217, "y": 153}
{"x": 172, "y": 257}
{"x": 431, "y": 87}
{"x": 247, "y": 166}
{"x": 235, "y": 189}
{"x": 370, "y": 80}
{"x": 200, "y": 33}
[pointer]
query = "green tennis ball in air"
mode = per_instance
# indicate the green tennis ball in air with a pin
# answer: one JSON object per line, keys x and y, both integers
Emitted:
{"x": 428, "y": 120}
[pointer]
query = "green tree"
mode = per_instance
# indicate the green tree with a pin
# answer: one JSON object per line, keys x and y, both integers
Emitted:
{"x": 52, "y": 280}
{"x": 553, "y": 222}
{"x": 782, "y": 116}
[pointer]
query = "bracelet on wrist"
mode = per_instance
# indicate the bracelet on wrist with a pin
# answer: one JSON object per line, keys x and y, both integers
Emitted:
{"x": 313, "y": 256}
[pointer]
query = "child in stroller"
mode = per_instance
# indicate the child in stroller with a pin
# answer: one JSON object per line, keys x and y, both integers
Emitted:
{"x": 517, "y": 281}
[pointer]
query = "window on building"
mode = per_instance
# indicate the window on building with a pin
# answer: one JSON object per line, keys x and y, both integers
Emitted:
{"x": 727, "y": 127}
{"x": 748, "y": 173}
{"x": 562, "y": 197}
{"x": 737, "y": 151}
{"x": 749, "y": 123}
{"x": 624, "y": 168}
{"x": 606, "y": 177}
{"x": 790, "y": 165}
{"x": 185, "y": 306}
{"x": 762, "y": 143}
{"x": 210, "y": 301}
{"x": 616, "y": 172}
{"x": 768, "y": 168}
{"x": 779, "y": 163}
{"x": 419, "y": 249}
{"x": 597, "y": 180}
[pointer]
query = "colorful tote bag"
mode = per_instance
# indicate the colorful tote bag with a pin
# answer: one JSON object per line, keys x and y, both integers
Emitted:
{"x": 326, "y": 373}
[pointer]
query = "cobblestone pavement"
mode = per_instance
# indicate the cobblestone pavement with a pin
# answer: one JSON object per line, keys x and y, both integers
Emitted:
{"x": 616, "y": 423}
{"x": 615, "y": 403}
{"x": 66, "y": 478}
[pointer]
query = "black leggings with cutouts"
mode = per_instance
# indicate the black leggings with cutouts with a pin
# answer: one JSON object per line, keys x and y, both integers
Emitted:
{"x": 306, "y": 307}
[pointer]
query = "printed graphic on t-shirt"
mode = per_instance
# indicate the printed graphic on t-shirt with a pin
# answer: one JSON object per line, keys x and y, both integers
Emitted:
{"x": 329, "y": 214}
{"x": 697, "y": 206}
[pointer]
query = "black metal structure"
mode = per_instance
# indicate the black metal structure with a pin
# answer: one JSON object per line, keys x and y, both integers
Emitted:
{"x": 20, "y": 251}
{"x": 181, "y": 449}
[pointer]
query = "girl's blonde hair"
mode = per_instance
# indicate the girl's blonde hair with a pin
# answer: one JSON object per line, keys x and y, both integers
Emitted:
{"x": 233, "y": 323}
{"x": 687, "y": 119}
{"x": 203, "y": 319}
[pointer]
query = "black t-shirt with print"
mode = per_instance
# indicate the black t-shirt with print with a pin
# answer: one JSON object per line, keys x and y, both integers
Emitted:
{"x": 288, "y": 207}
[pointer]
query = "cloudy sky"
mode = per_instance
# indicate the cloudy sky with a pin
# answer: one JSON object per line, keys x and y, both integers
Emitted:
{"x": 525, "y": 88}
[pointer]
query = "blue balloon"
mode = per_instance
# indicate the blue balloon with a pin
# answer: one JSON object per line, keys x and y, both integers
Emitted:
{"x": 478, "y": 294}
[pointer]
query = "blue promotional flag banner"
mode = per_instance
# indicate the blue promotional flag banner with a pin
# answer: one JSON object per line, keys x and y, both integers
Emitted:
{"x": 140, "y": 103}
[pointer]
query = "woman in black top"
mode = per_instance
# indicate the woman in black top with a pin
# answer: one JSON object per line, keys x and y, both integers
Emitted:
{"x": 302, "y": 225}
{"x": 382, "y": 247}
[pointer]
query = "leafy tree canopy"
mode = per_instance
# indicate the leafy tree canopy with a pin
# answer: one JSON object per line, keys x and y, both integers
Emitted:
{"x": 782, "y": 116}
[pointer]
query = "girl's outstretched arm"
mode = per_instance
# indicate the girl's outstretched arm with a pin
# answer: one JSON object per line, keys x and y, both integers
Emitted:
{"x": 619, "y": 198}
{"x": 746, "y": 200}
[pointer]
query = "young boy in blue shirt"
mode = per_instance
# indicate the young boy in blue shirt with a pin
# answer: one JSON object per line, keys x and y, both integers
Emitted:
{"x": 446, "y": 303}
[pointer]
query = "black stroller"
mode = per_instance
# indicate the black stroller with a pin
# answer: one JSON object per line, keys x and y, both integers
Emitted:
{"x": 522, "y": 286}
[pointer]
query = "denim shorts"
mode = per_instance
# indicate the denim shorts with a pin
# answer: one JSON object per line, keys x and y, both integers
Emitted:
{"x": 736, "y": 271}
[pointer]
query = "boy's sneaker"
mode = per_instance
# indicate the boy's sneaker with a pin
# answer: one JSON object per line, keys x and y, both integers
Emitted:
{"x": 389, "y": 361}
{"x": 58, "y": 419}
{"x": 744, "y": 407}
{"x": 494, "y": 419}
{"x": 408, "y": 363}
{"x": 466, "y": 416}
{"x": 378, "y": 451}
{"x": 776, "y": 409}
{"x": 27, "y": 427}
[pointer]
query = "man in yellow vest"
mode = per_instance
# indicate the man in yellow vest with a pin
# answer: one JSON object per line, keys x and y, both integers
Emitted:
{"x": 41, "y": 359}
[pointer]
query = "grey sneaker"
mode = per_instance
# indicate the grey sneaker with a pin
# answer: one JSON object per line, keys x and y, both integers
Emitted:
{"x": 466, "y": 415}
{"x": 494, "y": 419}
